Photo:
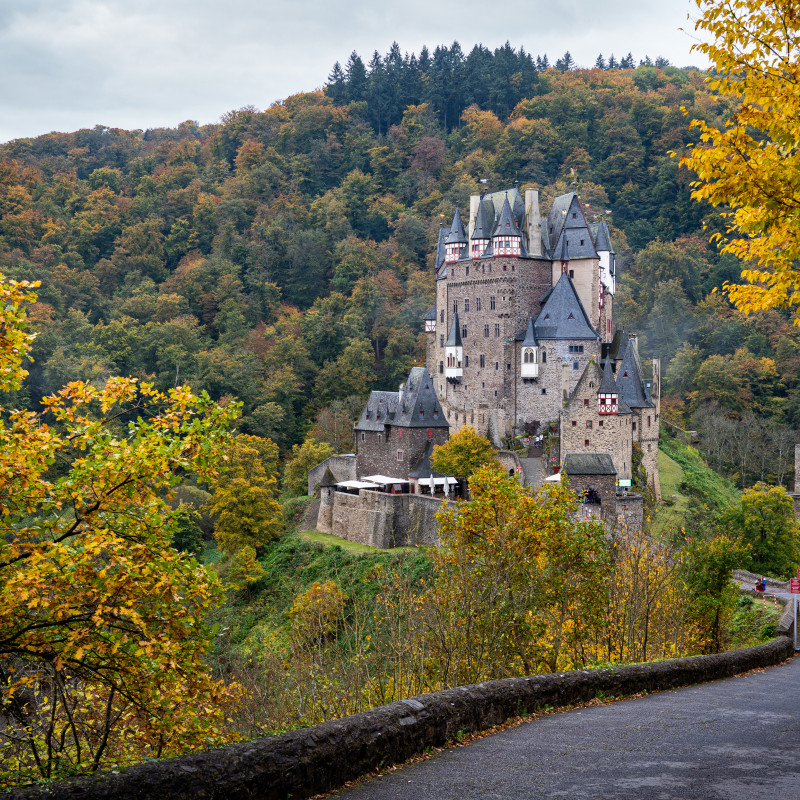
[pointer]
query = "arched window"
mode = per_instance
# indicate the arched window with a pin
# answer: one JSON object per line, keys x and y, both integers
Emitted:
{"x": 544, "y": 356}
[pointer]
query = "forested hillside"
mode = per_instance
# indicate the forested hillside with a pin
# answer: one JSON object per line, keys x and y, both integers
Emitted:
{"x": 284, "y": 257}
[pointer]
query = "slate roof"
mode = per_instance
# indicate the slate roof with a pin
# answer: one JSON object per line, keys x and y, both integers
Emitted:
{"x": 454, "y": 337}
{"x": 419, "y": 407}
{"x": 440, "y": 248}
{"x": 529, "y": 339}
{"x": 574, "y": 230}
{"x": 484, "y": 222}
{"x": 431, "y": 314}
{"x": 379, "y": 411}
{"x": 630, "y": 379}
{"x": 618, "y": 344}
{"x": 457, "y": 234}
{"x": 562, "y": 316}
{"x": 506, "y": 225}
{"x": 589, "y": 464}
{"x": 517, "y": 203}
{"x": 601, "y": 236}
{"x": 608, "y": 385}
{"x": 423, "y": 469}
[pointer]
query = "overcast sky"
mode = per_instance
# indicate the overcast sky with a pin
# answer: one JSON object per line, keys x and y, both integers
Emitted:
{"x": 70, "y": 64}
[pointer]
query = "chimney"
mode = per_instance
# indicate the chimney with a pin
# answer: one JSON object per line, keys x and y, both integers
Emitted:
{"x": 474, "y": 204}
{"x": 533, "y": 222}
{"x": 797, "y": 469}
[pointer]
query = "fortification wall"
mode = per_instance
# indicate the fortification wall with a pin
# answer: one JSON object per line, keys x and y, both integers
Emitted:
{"x": 381, "y": 520}
{"x": 310, "y": 761}
{"x": 343, "y": 468}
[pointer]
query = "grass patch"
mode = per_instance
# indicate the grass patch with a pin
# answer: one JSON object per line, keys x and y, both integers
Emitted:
{"x": 691, "y": 491}
{"x": 328, "y": 540}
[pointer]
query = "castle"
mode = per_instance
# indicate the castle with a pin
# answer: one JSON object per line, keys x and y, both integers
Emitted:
{"x": 520, "y": 342}
{"x": 522, "y": 337}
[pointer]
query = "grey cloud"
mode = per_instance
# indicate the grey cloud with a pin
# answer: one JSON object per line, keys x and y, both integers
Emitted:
{"x": 66, "y": 64}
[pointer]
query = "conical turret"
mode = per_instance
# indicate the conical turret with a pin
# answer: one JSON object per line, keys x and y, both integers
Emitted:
{"x": 456, "y": 240}
{"x": 507, "y": 239}
{"x": 608, "y": 393}
{"x": 482, "y": 231}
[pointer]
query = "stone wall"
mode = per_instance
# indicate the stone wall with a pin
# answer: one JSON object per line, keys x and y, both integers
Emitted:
{"x": 581, "y": 421}
{"x": 630, "y": 511}
{"x": 343, "y": 468}
{"x": 604, "y": 485}
{"x": 310, "y": 761}
{"x": 394, "y": 451}
{"x": 380, "y": 520}
{"x": 509, "y": 460}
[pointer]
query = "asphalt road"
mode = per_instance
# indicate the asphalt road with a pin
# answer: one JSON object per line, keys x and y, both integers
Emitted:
{"x": 737, "y": 738}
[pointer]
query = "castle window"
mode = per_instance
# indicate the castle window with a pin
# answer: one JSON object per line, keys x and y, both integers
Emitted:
{"x": 463, "y": 331}
{"x": 477, "y": 304}
{"x": 575, "y": 365}
{"x": 576, "y": 348}
{"x": 508, "y": 366}
{"x": 571, "y": 316}
{"x": 574, "y": 423}
{"x": 585, "y": 442}
{"x": 467, "y": 268}
{"x": 544, "y": 391}
{"x": 421, "y": 413}
{"x": 572, "y": 273}
{"x": 544, "y": 356}
{"x": 363, "y": 437}
{"x": 441, "y": 316}
{"x": 491, "y": 303}
{"x": 497, "y": 365}
{"x": 430, "y": 431}
{"x": 399, "y": 455}
{"x": 588, "y": 423}
{"x": 586, "y": 403}
{"x": 466, "y": 361}
{"x": 455, "y": 306}
{"x": 400, "y": 432}
{"x": 497, "y": 329}
{"x": 486, "y": 330}
{"x": 466, "y": 306}
{"x": 483, "y": 360}
{"x": 634, "y": 426}
{"x": 441, "y": 367}
{"x": 380, "y": 438}
{"x": 505, "y": 267}
{"x": 600, "y": 423}
{"x": 648, "y": 421}
{"x": 574, "y": 215}
{"x": 435, "y": 413}
{"x": 441, "y": 340}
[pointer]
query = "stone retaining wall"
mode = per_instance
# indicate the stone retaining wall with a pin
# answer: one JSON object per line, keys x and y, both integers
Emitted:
{"x": 305, "y": 762}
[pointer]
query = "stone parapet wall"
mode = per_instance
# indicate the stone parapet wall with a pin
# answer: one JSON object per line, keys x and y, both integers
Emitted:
{"x": 310, "y": 761}
{"x": 343, "y": 468}
{"x": 381, "y": 520}
{"x": 630, "y": 512}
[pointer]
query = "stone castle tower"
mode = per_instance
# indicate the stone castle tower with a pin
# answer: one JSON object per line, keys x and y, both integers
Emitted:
{"x": 522, "y": 334}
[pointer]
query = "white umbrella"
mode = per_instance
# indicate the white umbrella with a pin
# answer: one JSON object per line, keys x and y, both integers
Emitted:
{"x": 432, "y": 484}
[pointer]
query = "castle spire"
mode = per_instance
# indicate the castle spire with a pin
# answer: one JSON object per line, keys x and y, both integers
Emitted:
{"x": 456, "y": 239}
{"x": 507, "y": 239}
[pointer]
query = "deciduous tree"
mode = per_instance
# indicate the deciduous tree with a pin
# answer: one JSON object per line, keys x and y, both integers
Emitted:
{"x": 102, "y": 631}
{"x": 750, "y": 166}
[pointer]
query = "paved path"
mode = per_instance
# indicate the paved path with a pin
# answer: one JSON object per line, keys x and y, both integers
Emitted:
{"x": 738, "y": 738}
